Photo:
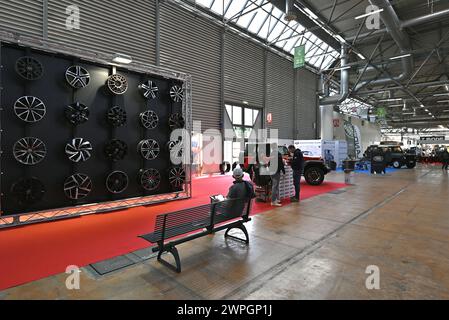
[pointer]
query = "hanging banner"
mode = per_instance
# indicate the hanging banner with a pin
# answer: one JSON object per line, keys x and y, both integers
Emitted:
{"x": 354, "y": 139}
{"x": 300, "y": 57}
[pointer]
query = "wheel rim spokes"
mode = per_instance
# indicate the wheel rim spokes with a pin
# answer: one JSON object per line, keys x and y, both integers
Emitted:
{"x": 177, "y": 177}
{"x": 30, "y": 109}
{"x": 29, "y": 151}
{"x": 176, "y": 94}
{"x": 149, "y": 119}
{"x": 117, "y": 182}
{"x": 78, "y": 186}
{"x": 79, "y": 150}
{"x": 77, "y": 77}
{"x": 150, "y": 179}
{"x": 149, "y": 149}
{"x": 149, "y": 90}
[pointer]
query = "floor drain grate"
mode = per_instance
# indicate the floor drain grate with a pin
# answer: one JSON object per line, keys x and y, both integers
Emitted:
{"x": 337, "y": 191}
{"x": 111, "y": 265}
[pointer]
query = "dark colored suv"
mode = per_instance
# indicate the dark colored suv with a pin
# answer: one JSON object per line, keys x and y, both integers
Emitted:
{"x": 394, "y": 156}
{"x": 315, "y": 169}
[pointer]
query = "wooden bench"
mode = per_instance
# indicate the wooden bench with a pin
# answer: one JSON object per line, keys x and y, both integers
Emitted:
{"x": 174, "y": 228}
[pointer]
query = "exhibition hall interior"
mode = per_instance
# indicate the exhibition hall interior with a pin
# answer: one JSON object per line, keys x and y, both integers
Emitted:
{"x": 237, "y": 150}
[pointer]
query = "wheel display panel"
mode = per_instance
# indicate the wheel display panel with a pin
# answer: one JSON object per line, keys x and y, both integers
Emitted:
{"x": 80, "y": 133}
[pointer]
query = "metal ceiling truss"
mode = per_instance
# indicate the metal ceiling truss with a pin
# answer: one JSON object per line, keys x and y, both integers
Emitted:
{"x": 267, "y": 22}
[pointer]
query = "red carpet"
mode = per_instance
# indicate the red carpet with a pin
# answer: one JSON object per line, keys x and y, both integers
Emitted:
{"x": 37, "y": 251}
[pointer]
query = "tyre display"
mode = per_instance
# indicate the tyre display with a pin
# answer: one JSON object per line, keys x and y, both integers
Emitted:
{"x": 30, "y": 109}
{"x": 150, "y": 179}
{"x": 78, "y": 150}
{"x": 117, "y": 117}
{"x": 149, "y": 89}
{"x": 117, "y": 182}
{"x": 69, "y": 124}
{"x": 29, "y": 151}
{"x": 28, "y": 191}
{"x": 149, "y": 119}
{"x": 29, "y": 68}
{"x": 77, "y": 77}
{"x": 149, "y": 149}
{"x": 117, "y": 84}
{"x": 116, "y": 150}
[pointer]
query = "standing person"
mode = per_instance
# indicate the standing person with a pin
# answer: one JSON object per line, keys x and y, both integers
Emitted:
{"x": 275, "y": 170}
{"x": 297, "y": 164}
{"x": 445, "y": 159}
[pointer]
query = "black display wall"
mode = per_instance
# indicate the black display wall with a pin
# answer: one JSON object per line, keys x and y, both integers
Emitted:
{"x": 55, "y": 131}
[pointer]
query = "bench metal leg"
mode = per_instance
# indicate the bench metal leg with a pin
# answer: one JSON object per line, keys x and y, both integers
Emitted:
{"x": 175, "y": 255}
{"x": 243, "y": 229}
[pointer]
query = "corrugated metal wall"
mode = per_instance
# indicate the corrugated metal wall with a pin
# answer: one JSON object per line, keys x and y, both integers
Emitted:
{"x": 281, "y": 95}
{"x": 192, "y": 45}
{"x": 22, "y": 16}
{"x": 244, "y": 71}
{"x": 307, "y": 104}
{"x": 119, "y": 27}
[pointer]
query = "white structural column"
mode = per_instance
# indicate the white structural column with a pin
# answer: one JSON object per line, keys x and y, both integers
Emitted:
{"x": 327, "y": 117}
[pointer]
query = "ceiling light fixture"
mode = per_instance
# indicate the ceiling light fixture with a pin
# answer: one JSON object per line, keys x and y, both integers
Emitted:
{"x": 443, "y": 101}
{"x": 311, "y": 13}
{"x": 390, "y": 100}
{"x": 369, "y": 14}
{"x": 122, "y": 58}
{"x": 441, "y": 94}
{"x": 401, "y": 56}
{"x": 342, "y": 68}
{"x": 437, "y": 86}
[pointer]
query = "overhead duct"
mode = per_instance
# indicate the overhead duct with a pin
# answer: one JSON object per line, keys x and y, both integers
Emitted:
{"x": 393, "y": 25}
{"x": 414, "y": 85}
{"x": 432, "y": 17}
{"x": 344, "y": 81}
{"x": 425, "y": 19}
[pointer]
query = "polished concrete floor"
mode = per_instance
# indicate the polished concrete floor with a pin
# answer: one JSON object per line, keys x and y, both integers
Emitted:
{"x": 318, "y": 249}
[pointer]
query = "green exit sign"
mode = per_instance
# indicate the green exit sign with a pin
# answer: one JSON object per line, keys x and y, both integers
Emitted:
{"x": 300, "y": 57}
{"x": 381, "y": 113}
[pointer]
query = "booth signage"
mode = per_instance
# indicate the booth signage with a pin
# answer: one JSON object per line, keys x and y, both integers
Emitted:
{"x": 433, "y": 138}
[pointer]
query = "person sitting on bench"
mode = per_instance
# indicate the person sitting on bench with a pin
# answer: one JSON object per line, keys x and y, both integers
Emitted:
{"x": 240, "y": 190}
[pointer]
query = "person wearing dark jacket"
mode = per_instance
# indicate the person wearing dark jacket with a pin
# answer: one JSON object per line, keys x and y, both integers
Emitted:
{"x": 445, "y": 159}
{"x": 297, "y": 164}
{"x": 276, "y": 167}
{"x": 239, "y": 191}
